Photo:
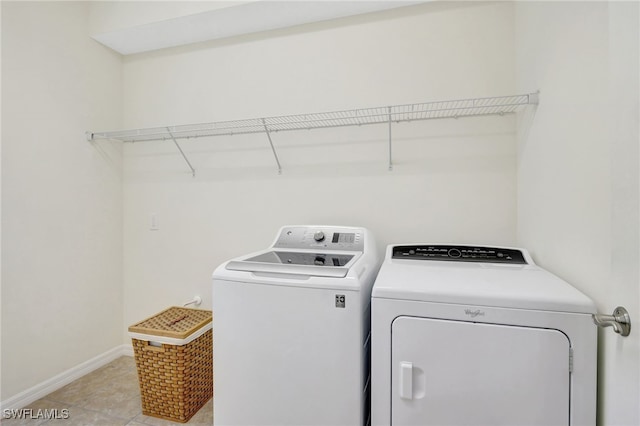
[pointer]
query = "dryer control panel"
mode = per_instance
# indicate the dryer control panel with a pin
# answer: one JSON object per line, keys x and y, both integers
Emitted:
{"x": 327, "y": 238}
{"x": 457, "y": 253}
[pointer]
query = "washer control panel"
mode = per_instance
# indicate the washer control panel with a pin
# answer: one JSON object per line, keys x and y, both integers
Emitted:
{"x": 327, "y": 238}
{"x": 457, "y": 253}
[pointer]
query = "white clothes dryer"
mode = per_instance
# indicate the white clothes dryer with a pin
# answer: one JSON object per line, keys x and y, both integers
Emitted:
{"x": 468, "y": 335}
{"x": 291, "y": 330}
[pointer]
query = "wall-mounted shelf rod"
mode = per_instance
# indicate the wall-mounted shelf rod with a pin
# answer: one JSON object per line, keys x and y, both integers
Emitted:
{"x": 459, "y": 108}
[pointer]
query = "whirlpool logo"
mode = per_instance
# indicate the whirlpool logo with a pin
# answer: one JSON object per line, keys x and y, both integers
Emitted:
{"x": 474, "y": 313}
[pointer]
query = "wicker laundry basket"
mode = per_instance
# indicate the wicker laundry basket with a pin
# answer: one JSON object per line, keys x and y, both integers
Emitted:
{"x": 173, "y": 352}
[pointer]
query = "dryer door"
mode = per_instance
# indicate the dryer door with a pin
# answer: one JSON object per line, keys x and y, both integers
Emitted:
{"x": 464, "y": 373}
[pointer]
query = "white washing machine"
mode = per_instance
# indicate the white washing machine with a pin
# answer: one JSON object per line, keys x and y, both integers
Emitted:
{"x": 291, "y": 328}
{"x": 467, "y": 335}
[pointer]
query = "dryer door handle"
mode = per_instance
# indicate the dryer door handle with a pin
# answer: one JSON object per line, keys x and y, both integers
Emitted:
{"x": 406, "y": 380}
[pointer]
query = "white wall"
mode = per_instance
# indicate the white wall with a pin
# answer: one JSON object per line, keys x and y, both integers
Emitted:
{"x": 578, "y": 168}
{"x": 61, "y": 195}
{"x": 452, "y": 180}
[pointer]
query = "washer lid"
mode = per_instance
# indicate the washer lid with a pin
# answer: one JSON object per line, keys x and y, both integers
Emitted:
{"x": 521, "y": 286}
{"x": 335, "y": 265}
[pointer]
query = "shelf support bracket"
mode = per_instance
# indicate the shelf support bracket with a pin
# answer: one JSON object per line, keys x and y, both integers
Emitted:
{"x": 390, "y": 158}
{"x": 193, "y": 171}
{"x": 275, "y": 154}
{"x": 534, "y": 98}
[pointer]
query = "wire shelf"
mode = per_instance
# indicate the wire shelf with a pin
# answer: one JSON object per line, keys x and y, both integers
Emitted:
{"x": 356, "y": 117}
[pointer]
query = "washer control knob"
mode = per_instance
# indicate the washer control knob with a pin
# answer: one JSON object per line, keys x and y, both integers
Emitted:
{"x": 318, "y": 236}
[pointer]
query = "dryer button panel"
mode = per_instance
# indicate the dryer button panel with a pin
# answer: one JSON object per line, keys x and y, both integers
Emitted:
{"x": 457, "y": 253}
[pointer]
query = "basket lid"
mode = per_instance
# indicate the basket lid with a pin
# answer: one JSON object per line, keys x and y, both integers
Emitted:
{"x": 175, "y": 322}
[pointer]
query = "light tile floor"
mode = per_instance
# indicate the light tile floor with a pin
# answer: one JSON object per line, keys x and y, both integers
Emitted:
{"x": 108, "y": 396}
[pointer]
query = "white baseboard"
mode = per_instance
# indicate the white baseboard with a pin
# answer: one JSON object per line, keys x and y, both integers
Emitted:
{"x": 127, "y": 350}
{"x": 40, "y": 390}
